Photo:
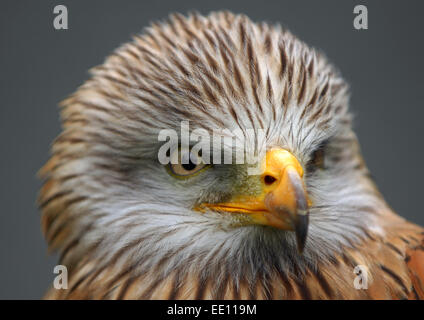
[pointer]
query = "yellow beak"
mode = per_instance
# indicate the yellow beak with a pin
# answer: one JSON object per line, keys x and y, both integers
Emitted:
{"x": 283, "y": 202}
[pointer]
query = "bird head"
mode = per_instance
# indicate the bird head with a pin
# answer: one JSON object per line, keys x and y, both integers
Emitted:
{"x": 107, "y": 195}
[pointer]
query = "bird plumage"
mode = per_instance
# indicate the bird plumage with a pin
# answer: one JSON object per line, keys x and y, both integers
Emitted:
{"x": 126, "y": 229}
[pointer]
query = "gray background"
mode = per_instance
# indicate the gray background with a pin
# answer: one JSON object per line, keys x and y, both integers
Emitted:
{"x": 40, "y": 66}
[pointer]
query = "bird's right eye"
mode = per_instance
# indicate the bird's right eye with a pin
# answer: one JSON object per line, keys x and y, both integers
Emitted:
{"x": 185, "y": 164}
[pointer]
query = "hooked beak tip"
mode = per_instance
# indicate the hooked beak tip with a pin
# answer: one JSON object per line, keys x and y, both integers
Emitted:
{"x": 301, "y": 229}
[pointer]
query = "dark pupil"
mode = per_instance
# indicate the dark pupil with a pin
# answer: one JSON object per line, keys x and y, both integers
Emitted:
{"x": 189, "y": 166}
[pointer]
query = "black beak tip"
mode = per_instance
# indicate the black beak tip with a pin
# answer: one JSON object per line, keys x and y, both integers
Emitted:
{"x": 301, "y": 230}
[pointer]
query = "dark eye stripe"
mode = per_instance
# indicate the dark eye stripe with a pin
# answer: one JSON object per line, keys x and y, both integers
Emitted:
{"x": 317, "y": 159}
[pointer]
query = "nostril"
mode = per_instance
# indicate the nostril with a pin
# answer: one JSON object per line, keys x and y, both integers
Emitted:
{"x": 268, "y": 180}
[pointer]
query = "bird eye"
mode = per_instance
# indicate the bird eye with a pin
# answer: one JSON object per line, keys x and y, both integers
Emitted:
{"x": 185, "y": 164}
